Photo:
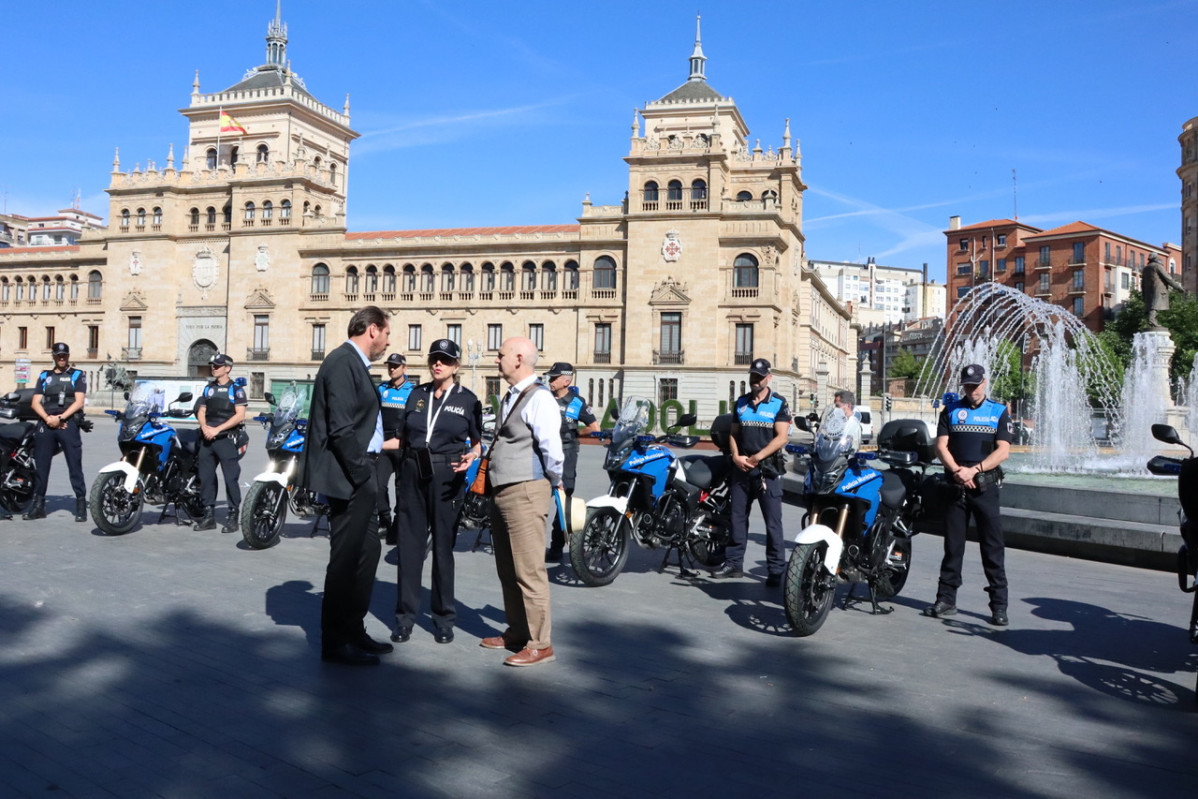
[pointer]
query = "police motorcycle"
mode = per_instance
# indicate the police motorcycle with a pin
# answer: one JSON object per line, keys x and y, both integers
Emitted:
{"x": 1186, "y": 471}
{"x": 859, "y": 520}
{"x": 18, "y": 469}
{"x": 157, "y": 465}
{"x": 656, "y": 498}
{"x": 264, "y": 509}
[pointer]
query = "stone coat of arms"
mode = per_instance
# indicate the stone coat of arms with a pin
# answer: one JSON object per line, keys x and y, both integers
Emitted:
{"x": 671, "y": 246}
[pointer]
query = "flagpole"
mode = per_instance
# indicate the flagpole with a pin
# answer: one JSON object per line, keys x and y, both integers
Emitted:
{"x": 220, "y": 115}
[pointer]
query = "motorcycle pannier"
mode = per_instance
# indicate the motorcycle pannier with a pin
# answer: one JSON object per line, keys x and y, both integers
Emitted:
{"x": 908, "y": 435}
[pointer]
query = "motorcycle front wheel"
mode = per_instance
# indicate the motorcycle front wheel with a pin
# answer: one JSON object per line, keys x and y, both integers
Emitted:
{"x": 600, "y": 550}
{"x": 808, "y": 589}
{"x": 895, "y": 570}
{"x": 114, "y": 510}
{"x": 262, "y": 514}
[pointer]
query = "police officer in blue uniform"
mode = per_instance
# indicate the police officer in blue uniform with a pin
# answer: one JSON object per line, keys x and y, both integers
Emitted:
{"x": 220, "y": 410}
{"x": 393, "y": 393}
{"x": 973, "y": 437}
{"x": 760, "y": 430}
{"x": 58, "y": 398}
{"x": 575, "y": 412}
{"x": 442, "y": 436}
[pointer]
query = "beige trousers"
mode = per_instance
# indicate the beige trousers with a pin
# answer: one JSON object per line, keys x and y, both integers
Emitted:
{"x": 518, "y": 517}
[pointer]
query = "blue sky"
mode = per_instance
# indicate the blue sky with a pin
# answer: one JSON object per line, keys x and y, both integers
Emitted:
{"x": 476, "y": 114}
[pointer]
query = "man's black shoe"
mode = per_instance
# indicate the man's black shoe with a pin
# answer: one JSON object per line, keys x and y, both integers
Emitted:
{"x": 399, "y": 636}
{"x": 80, "y": 509}
{"x": 4, "y": 514}
{"x": 940, "y": 609}
{"x": 773, "y": 581}
{"x": 37, "y": 510}
{"x": 727, "y": 572}
{"x": 206, "y": 522}
{"x": 443, "y": 636}
{"x": 553, "y": 555}
{"x": 349, "y": 655}
{"x": 999, "y": 618}
{"x": 373, "y": 647}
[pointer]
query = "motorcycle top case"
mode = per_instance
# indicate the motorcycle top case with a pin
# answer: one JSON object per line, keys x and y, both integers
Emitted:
{"x": 908, "y": 435}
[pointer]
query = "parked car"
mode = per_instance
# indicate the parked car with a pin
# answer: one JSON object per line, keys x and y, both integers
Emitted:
{"x": 865, "y": 417}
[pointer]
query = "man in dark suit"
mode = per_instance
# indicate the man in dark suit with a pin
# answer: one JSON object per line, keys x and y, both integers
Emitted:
{"x": 345, "y": 436}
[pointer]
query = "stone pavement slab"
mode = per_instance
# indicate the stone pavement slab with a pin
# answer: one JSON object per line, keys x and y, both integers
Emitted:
{"x": 173, "y": 663}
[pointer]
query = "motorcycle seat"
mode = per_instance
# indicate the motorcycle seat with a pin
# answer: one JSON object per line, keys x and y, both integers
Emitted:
{"x": 893, "y": 489}
{"x": 705, "y": 471}
{"x": 189, "y": 440}
{"x": 14, "y": 433}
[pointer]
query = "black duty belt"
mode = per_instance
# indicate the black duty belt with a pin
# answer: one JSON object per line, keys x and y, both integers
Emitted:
{"x": 372, "y": 456}
{"x": 433, "y": 457}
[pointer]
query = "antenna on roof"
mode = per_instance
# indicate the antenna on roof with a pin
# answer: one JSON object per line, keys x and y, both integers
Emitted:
{"x": 1015, "y": 195}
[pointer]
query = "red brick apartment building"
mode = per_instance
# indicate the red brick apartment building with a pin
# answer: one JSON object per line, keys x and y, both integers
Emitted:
{"x": 1078, "y": 266}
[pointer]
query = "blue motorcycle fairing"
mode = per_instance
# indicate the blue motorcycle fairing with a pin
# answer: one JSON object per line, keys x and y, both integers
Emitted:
{"x": 654, "y": 462}
{"x": 157, "y": 435}
{"x": 859, "y": 483}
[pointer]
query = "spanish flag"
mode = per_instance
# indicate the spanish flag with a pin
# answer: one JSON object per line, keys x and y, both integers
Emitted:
{"x": 230, "y": 125}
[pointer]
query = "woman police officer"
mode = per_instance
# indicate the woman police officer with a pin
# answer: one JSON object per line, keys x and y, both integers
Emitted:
{"x": 441, "y": 435}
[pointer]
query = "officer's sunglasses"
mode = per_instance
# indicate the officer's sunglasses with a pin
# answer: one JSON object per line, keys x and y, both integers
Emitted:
{"x": 391, "y": 367}
{"x": 445, "y": 359}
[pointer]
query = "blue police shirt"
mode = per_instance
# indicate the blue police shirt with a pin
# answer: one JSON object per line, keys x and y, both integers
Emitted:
{"x": 395, "y": 401}
{"x": 973, "y": 433}
{"x": 757, "y": 421}
{"x": 575, "y": 411}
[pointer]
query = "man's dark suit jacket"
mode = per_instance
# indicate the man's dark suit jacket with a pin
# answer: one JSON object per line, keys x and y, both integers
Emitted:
{"x": 341, "y": 421}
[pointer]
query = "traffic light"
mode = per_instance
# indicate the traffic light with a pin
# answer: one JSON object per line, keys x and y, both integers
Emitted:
{"x": 888, "y": 402}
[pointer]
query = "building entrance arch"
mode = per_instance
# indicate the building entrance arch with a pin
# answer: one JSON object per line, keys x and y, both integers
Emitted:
{"x": 198, "y": 355}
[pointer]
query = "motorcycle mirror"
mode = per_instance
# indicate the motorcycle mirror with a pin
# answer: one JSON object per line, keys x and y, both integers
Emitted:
{"x": 126, "y": 396}
{"x": 801, "y": 423}
{"x": 184, "y": 397}
{"x": 686, "y": 420}
{"x": 1166, "y": 433}
{"x": 270, "y": 398}
{"x": 614, "y": 415}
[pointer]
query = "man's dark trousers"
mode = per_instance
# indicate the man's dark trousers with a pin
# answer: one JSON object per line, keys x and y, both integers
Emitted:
{"x": 44, "y": 444}
{"x": 984, "y": 509}
{"x": 743, "y": 488}
{"x": 353, "y": 558}
{"x": 225, "y": 450}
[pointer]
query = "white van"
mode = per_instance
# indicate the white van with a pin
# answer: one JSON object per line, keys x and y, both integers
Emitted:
{"x": 866, "y": 418}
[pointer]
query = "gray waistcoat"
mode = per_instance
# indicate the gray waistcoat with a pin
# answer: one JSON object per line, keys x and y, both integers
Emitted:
{"x": 515, "y": 456}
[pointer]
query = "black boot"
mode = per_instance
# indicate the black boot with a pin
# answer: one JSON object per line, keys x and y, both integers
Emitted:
{"x": 80, "y": 509}
{"x": 4, "y": 514}
{"x": 385, "y": 523}
{"x": 231, "y": 524}
{"x": 37, "y": 510}
{"x": 393, "y": 532}
{"x": 209, "y": 520}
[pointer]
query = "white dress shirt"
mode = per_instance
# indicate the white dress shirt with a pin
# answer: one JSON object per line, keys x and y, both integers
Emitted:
{"x": 544, "y": 418}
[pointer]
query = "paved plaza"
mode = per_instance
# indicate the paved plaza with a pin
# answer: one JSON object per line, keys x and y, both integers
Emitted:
{"x": 173, "y": 663}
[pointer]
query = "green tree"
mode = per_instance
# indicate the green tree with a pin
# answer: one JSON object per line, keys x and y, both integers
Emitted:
{"x": 1181, "y": 320}
{"x": 1010, "y": 382}
{"x": 905, "y": 365}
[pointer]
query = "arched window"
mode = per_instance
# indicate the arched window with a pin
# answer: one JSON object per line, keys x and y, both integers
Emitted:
{"x": 20, "y": 289}
{"x": 388, "y": 279}
{"x": 74, "y": 288}
{"x": 316, "y": 211}
{"x": 744, "y": 272}
{"x": 651, "y": 195}
{"x": 95, "y": 285}
{"x": 227, "y": 211}
{"x": 466, "y": 281}
{"x": 698, "y": 190}
{"x": 332, "y": 173}
{"x": 316, "y": 162}
{"x": 674, "y": 195}
{"x": 268, "y": 210}
{"x": 528, "y": 276}
{"x": 549, "y": 276}
{"x": 60, "y": 289}
{"x": 488, "y": 278}
{"x": 5, "y": 290}
{"x": 427, "y": 279}
{"x": 447, "y": 277}
{"x": 409, "y": 279}
{"x": 233, "y": 153}
{"x": 263, "y": 154}
{"x": 605, "y": 273}
{"x": 141, "y": 217}
{"x": 744, "y": 196}
{"x": 307, "y": 207}
{"x": 285, "y": 210}
{"x": 320, "y": 279}
{"x": 372, "y": 279}
{"x": 211, "y": 215}
{"x": 124, "y": 217}
{"x": 770, "y": 196}
{"x": 570, "y": 279}
{"x": 45, "y": 288}
{"x": 507, "y": 276}
{"x": 195, "y": 217}
{"x": 351, "y": 280}
{"x": 211, "y": 157}
{"x": 249, "y": 212}
{"x": 157, "y": 218}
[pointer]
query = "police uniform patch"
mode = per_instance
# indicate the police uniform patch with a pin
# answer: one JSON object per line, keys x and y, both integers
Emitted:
{"x": 962, "y": 414}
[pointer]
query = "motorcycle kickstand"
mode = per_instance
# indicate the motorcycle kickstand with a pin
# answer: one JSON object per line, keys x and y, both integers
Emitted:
{"x": 873, "y": 598}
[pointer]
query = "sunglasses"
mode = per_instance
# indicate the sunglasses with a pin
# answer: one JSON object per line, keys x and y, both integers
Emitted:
{"x": 445, "y": 359}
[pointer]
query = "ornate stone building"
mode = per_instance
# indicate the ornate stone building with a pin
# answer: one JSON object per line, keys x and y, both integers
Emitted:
{"x": 242, "y": 246}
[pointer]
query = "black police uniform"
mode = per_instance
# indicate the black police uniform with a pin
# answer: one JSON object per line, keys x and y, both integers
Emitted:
{"x": 756, "y": 432}
{"x": 575, "y": 412}
{"x": 220, "y": 404}
{"x": 431, "y": 502}
{"x": 394, "y": 400}
{"x": 58, "y": 389}
{"x": 973, "y": 433}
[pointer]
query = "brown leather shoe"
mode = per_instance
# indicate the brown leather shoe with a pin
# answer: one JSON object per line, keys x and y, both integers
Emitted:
{"x": 498, "y": 642}
{"x": 531, "y": 657}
